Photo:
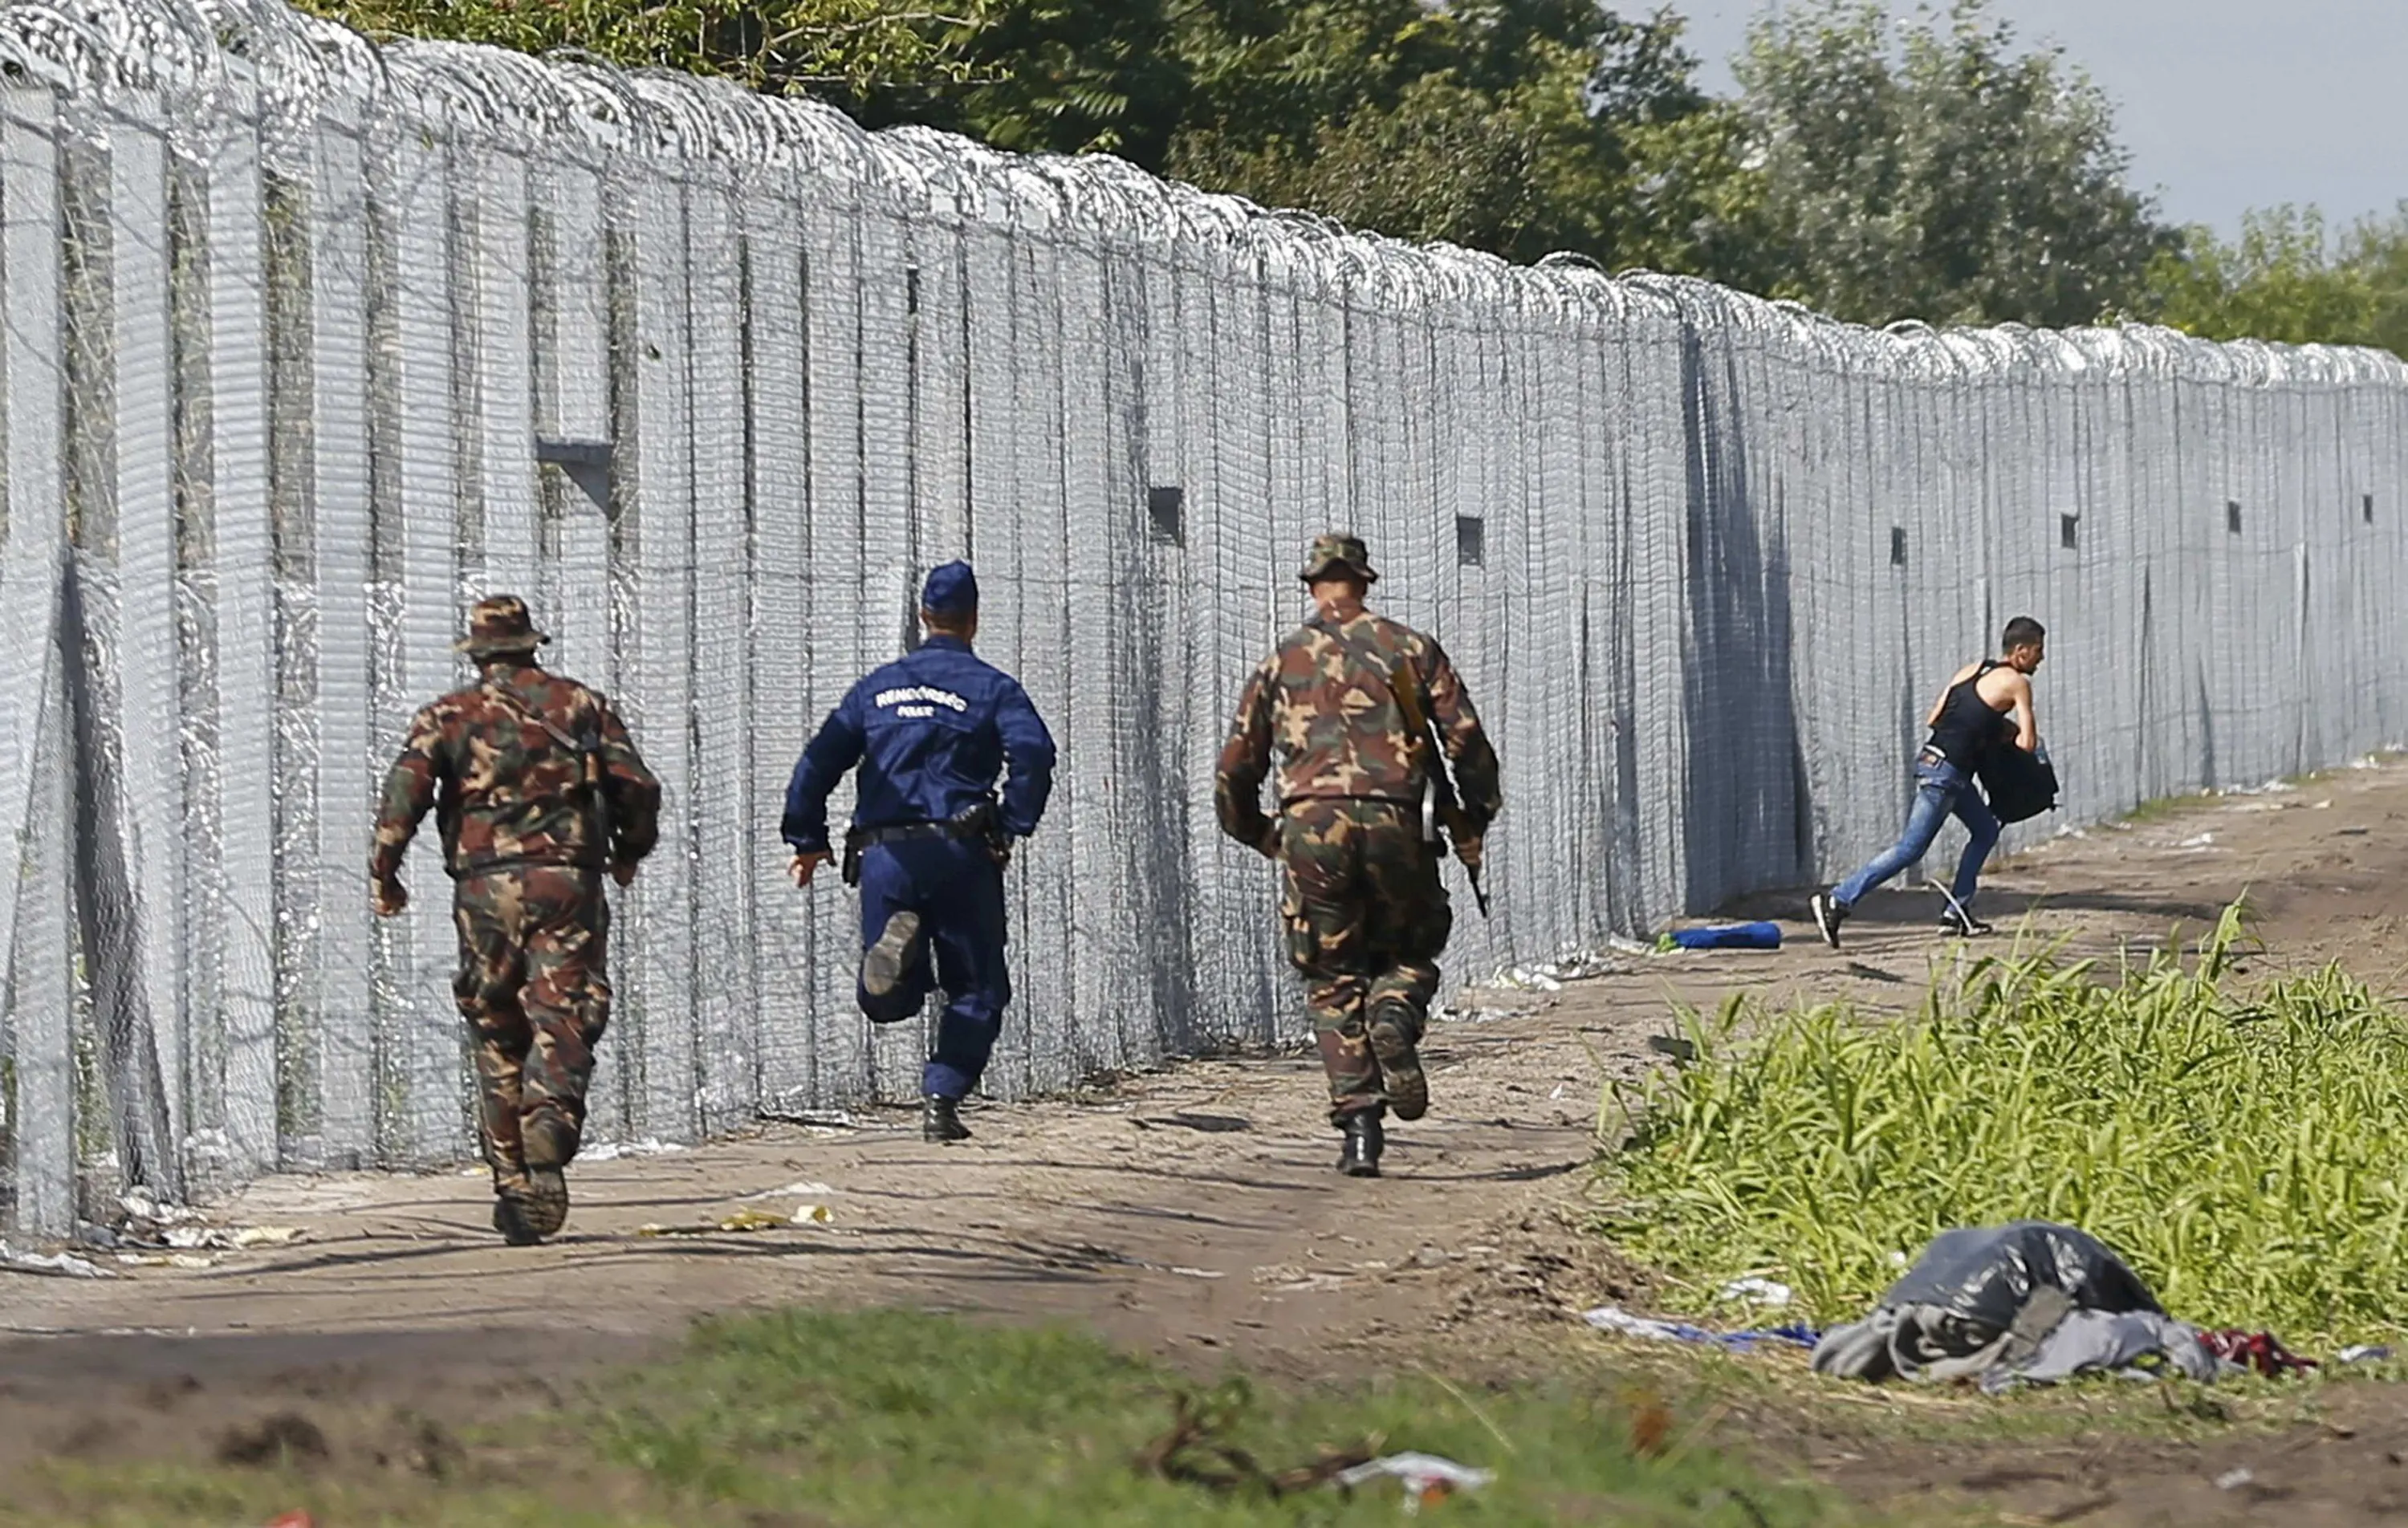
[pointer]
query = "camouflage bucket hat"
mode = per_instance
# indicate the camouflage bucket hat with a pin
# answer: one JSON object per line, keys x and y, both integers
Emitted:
{"x": 1338, "y": 550}
{"x": 500, "y": 624}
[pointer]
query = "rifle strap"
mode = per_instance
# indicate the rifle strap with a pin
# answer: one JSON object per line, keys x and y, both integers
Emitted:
{"x": 525, "y": 712}
{"x": 1404, "y": 685}
{"x": 588, "y": 753}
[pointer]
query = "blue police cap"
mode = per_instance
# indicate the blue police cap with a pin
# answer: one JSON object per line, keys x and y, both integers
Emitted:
{"x": 951, "y": 591}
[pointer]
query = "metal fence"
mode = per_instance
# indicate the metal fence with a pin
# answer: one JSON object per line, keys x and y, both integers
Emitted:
{"x": 310, "y": 344}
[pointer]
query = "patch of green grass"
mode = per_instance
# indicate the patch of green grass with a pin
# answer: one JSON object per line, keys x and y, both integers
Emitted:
{"x": 2246, "y": 1151}
{"x": 897, "y": 1417}
{"x": 2161, "y": 808}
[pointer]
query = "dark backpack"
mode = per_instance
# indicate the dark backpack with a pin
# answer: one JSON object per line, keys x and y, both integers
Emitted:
{"x": 2019, "y": 785}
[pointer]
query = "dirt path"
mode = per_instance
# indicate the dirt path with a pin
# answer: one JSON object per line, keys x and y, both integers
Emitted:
{"x": 1191, "y": 1213}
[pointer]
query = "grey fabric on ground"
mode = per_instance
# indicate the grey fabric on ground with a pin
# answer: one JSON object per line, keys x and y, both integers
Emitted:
{"x": 1929, "y": 1345}
{"x": 2028, "y": 1302}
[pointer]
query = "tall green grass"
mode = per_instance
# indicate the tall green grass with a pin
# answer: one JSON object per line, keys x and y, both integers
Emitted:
{"x": 2245, "y": 1147}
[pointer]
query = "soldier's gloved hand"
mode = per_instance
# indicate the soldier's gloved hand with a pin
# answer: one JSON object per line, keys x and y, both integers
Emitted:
{"x": 804, "y": 865}
{"x": 1468, "y": 850}
{"x": 624, "y": 872}
{"x": 388, "y": 896}
{"x": 1269, "y": 845}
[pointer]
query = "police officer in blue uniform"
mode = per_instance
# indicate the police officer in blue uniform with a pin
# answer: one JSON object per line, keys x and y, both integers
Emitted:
{"x": 930, "y": 834}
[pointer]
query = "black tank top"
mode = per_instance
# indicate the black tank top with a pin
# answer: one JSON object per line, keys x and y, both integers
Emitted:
{"x": 1968, "y": 727}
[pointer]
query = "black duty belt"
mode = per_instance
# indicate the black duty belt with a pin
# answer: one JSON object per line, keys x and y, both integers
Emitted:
{"x": 900, "y": 832}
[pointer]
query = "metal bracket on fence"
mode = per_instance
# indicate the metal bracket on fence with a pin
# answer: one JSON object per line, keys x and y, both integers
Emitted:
{"x": 587, "y": 462}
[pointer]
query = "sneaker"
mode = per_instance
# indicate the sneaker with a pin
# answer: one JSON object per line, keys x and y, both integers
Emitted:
{"x": 1957, "y": 925}
{"x": 882, "y": 964}
{"x": 1828, "y": 916}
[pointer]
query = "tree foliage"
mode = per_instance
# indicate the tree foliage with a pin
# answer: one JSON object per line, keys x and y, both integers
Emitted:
{"x": 1505, "y": 125}
{"x": 2287, "y": 278}
{"x": 1931, "y": 170}
{"x": 845, "y": 48}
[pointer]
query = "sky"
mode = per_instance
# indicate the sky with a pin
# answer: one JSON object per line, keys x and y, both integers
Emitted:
{"x": 2226, "y": 105}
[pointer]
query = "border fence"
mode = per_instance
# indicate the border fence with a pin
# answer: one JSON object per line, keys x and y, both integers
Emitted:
{"x": 310, "y": 344}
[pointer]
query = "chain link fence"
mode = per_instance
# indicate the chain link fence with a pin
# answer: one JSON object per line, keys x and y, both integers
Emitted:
{"x": 310, "y": 344}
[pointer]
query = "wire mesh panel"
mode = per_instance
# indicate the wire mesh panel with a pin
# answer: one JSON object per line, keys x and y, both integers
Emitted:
{"x": 657, "y": 643}
{"x": 40, "y": 1105}
{"x": 779, "y": 462}
{"x": 336, "y": 998}
{"x": 242, "y": 550}
{"x": 311, "y": 343}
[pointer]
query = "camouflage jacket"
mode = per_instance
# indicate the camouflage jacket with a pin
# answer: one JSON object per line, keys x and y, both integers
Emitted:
{"x": 506, "y": 792}
{"x": 1323, "y": 701}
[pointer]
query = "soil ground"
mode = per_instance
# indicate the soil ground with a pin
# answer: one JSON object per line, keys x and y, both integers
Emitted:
{"x": 1192, "y": 1213}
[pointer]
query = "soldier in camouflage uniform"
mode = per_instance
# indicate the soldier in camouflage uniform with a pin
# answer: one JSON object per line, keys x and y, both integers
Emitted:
{"x": 538, "y": 791}
{"x": 1347, "y": 701}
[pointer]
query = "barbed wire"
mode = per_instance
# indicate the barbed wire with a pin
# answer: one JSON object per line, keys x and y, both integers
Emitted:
{"x": 307, "y": 70}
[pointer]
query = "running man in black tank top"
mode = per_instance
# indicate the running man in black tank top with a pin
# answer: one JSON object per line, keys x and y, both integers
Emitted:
{"x": 1987, "y": 706}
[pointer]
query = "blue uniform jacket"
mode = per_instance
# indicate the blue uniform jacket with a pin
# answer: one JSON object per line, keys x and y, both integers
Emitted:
{"x": 931, "y": 731}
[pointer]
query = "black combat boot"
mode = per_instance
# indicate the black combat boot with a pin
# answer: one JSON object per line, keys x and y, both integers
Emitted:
{"x": 1394, "y": 1029}
{"x": 1365, "y": 1140}
{"x": 510, "y": 1221}
{"x": 885, "y": 963}
{"x": 549, "y": 1141}
{"x": 940, "y": 1120}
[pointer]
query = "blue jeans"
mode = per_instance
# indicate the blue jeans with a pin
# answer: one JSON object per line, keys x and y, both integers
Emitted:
{"x": 956, "y": 888}
{"x": 1941, "y": 789}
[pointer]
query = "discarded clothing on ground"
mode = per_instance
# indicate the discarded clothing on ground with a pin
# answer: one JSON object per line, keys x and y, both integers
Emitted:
{"x": 2257, "y": 1351}
{"x": 1759, "y": 936}
{"x": 1615, "y": 1319}
{"x": 2029, "y": 1303}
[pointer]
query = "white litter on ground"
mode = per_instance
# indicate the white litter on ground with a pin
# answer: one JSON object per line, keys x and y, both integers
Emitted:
{"x": 52, "y": 1265}
{"x": 230, "y": 1238}
{"x": 1759, "y": 1291}
{"x": 1427, "y": 1477}
{"x": 1479, "y": 1014}
{"x": 794, "y": 1191}
{"x": 1614, "y": 960}
{"x": 611, "y": 1151}
{"x": 1615, "y": 1319}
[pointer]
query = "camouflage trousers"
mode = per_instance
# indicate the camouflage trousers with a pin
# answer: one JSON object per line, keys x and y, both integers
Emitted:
{"x": 532, "y": 986}
{"x": 1366, "y": 921}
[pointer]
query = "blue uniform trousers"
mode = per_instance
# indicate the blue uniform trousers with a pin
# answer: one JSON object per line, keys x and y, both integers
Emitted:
{"x": 956, "y": 888}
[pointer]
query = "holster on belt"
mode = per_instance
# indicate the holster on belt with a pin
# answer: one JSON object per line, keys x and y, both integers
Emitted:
{"x": 982, "y": 823}
{"x": 850, "y": 868}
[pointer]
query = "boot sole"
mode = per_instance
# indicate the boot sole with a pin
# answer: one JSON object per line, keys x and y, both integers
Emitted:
{"x": 545, "y": 1208}
{"x": 512, "y": 1225}
{"x": 882, "y": 964}
{"x": 1359, "y": 1169}
{"x": 1400, "y": 1071}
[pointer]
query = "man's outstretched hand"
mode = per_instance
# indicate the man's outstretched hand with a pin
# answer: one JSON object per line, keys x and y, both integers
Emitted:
{"x": 804, "y": 866}
{"x": 388, "y": 896}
